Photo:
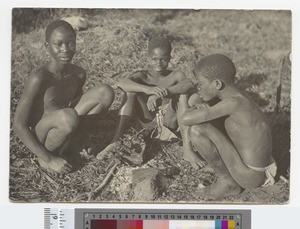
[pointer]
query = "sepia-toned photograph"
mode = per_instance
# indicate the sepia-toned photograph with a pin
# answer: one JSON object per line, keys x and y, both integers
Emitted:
{"x": 150, "y": 106}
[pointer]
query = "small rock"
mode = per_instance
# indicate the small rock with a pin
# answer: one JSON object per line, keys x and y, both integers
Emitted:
{"x": 145, "y": 184}
{"x": 77, "y": 22}
{"x": 144, "y": 174}
{"x": 146, "y": 190}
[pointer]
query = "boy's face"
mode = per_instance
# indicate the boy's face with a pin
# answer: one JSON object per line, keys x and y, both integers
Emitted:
{"x": 159, "y": 59}
{"x": 62, "y": 45}
{"x": 206, "y": 88}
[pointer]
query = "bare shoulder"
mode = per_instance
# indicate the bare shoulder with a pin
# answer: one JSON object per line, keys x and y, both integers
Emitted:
{"x": 230, "y": 105}
{"x": 39, "y": 76}
{"x": 138, "y": 77}
{"x": 79, "y": 71}
{"x": 178, "y": 75}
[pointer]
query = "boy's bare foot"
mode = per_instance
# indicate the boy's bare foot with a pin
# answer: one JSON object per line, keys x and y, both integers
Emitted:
{"x": 108, "y": 149}
{"x": 208, "y": 169}
{"x": 56, "y": 165}
{"x": 219, "y": 190}
{"x": 194, "y": 160}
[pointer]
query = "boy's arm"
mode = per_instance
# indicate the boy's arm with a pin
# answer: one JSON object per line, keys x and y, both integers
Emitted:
{"x": 82, "y": 77}
{"x": 182, "y": 84}
{"x": 21, "y": 126}
{"x": 197, "y": 116}
{"x": 136, "y": 83}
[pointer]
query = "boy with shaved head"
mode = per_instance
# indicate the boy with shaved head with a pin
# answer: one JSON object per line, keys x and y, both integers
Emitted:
{"x": 150, "y": 90}
{"x": 53, "y": 106}
{"x": 242, "y": 156}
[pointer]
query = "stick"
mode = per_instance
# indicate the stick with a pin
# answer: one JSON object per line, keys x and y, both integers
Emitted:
{"x": 279, "y": 79}
{"x": 283, "y": 179}
{"x": 45, "y": 173}
{"x": 93, "y": 195}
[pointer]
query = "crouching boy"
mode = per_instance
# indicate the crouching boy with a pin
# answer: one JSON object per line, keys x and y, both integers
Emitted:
{"x": 53, "y": 107}
{"x": 241, "y": 157}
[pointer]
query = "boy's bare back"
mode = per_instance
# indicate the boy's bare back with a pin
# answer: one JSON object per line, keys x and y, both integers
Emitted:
{"x": 249, "y": 131}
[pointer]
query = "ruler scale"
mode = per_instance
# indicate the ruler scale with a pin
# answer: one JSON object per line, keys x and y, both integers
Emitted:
{"x": 146, "y": 219}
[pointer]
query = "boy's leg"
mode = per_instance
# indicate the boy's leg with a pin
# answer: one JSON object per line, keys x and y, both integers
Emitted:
{"x": 55, "y": 129}
{"x": 125, "y": 113}
{"x": 95, "y": 101}
{"x": 188, "y": 152}
{"x": 222, "y": 156}
{"x": 90, "y": 106}
{"x": 170, "y": 117}
{"x": 131, "y": 102}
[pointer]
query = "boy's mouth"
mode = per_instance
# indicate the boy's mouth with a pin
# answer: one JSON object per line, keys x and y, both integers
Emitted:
{"x": 159, "y": 68}
{"x": 65, "y": 58}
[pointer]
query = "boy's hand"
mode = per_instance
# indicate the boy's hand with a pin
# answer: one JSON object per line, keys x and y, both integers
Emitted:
{"x": 160, "y": 92}
{"x": 56, "y": 164}
{"x": 201, "y": 105}
{"x": 151, "y": 103}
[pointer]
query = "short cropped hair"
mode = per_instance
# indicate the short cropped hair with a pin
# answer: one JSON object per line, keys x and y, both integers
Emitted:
{"x": 54, "y": 25}
{"x": 159, "y": 42}
{"x": 217, "y": 66}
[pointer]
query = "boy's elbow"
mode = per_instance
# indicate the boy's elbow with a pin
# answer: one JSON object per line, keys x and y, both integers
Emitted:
{"x": 180, "y": 76}
{"x": 185, "y": 120}
{"x": 120, "y": 84}
{"x": 18, "y": 126}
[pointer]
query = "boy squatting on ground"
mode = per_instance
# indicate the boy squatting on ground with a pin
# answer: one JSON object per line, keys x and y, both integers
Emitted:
{"x": 242, "y": 156}
{"x": 146, "y": 91}
{"x": 52, "y": 107}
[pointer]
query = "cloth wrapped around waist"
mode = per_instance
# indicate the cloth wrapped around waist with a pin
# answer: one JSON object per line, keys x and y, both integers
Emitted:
{"x": 158, "y": 130}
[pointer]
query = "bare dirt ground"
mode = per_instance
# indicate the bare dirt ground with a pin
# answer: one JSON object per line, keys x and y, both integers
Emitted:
{"x": 113, "y": 47}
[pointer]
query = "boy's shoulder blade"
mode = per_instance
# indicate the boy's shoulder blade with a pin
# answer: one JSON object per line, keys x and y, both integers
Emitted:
{"x": 233, "y": 102}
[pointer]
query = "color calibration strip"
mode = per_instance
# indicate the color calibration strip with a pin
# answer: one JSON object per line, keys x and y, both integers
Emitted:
{"x": 162, "y": 224}
{"x": 93, "y": 218}
{"x": 152, "y": 220}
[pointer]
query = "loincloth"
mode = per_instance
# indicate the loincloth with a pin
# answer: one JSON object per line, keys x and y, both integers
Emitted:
{"x": 270, "y": 172}
{"x": 157, "y": 127}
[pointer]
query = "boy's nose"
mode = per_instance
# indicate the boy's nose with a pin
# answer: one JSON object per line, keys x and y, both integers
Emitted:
{"x": 159, "y": 62}
{"x": 64, "y": 47}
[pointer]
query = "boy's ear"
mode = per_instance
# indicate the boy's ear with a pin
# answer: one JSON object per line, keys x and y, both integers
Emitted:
{"x": 170, "y": 57}
{"x": 47, "y": 45}
{"x": 219, "y": 84}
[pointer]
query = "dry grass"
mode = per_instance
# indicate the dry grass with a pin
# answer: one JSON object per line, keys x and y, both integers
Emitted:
{"x": 115, "y": 46}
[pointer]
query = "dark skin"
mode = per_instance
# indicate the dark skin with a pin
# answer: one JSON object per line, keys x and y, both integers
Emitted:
{"x": 52, "y": 101}
{"x": 148, "y": 89}
{"x": 157, "y": 83}
{"x": 250, "y": 137}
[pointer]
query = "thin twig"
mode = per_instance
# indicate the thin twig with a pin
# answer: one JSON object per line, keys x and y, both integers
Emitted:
{"x": 93, "y": 195}
{"x": 283, "y": 179}
{"x": 45, "y": 173}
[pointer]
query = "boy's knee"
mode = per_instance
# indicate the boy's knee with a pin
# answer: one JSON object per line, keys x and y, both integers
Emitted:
{"x": 131, "y": 94}
{"x": 196, "y": 131}
{"x": 69, "y": 119}
{"x": 193, "y": 99}
{"x": 105, "y": 92}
